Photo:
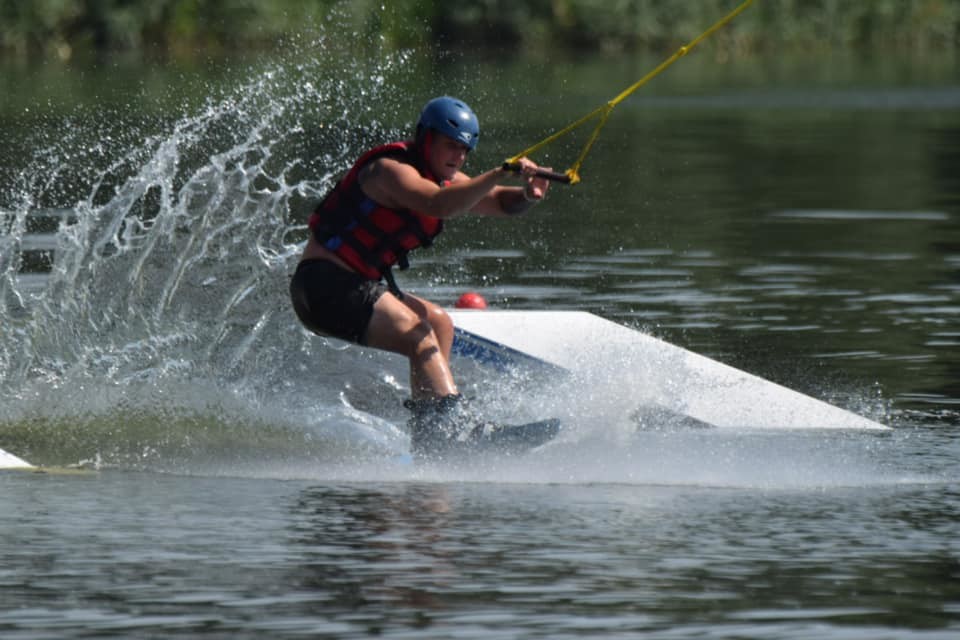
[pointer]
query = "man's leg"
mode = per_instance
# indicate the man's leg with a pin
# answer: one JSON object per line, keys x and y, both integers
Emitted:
{"x": 442, "y": 326}
{"x": 421, "y": 331}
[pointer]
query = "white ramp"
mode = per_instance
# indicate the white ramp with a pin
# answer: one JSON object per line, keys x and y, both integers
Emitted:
{"x": 10, "y": 461}
{"x": 688, "y": 384}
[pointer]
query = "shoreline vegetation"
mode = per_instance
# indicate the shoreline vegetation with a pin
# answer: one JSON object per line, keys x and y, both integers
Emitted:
{"x": 62, "y": 30}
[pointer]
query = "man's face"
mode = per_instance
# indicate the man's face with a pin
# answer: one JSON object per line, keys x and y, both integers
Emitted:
{"x": 447, "y": 156}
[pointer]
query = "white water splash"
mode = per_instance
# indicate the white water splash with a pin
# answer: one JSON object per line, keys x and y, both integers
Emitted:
{"x": 167, "y": 292}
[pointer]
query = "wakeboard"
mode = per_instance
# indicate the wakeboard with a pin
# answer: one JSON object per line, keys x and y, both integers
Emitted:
{"x": 487, "y": 439}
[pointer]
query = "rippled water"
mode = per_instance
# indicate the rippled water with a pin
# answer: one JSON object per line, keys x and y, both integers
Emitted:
{"x": 174, "y": 556}
{"x": 796, "y": 223}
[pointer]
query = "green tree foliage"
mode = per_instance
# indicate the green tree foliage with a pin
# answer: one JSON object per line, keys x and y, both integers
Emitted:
{"x": 61, "y": 28}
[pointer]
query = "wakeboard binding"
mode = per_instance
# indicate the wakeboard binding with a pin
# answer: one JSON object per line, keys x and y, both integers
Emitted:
{"x": 446, "y": 427}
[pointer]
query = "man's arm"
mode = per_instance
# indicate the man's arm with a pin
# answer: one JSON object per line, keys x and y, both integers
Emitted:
{"x": 395, "y": 184}
{"x": 507, "y": 201}
{"x": 511, "y": 201}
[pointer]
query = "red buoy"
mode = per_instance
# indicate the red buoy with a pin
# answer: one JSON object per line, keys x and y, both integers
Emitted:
{"x": 471, "y": 300}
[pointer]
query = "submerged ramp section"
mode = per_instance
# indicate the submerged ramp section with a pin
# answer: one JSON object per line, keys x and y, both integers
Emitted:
{"x": 686, "y": 383}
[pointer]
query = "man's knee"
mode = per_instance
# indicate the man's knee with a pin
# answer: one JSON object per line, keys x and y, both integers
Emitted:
{"x": 440, "y": 320}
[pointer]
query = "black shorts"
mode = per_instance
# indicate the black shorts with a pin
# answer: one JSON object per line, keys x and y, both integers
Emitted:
{"x": 330, "y": 300}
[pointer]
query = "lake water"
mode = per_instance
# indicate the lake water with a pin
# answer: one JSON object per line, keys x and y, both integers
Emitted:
{"x": 797, "y": 218}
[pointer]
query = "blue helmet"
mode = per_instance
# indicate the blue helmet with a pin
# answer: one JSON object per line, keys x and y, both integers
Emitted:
{"x": 452, "y": 118}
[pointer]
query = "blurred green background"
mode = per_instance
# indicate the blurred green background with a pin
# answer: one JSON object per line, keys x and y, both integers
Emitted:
{"x": 64, "y": 29}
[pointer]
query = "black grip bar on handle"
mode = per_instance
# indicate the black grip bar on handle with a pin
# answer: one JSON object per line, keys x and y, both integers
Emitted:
{"x": 540, "y": 173}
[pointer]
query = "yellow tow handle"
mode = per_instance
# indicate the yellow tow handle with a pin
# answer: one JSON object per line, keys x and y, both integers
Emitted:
{"x": 572, "y": 175}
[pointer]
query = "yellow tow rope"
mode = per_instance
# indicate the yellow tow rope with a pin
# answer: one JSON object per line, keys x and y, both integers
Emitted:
{"x": 572, "y": 175}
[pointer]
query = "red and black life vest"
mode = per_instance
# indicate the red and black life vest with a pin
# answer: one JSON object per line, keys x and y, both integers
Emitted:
{"x": 368, "y": 236}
